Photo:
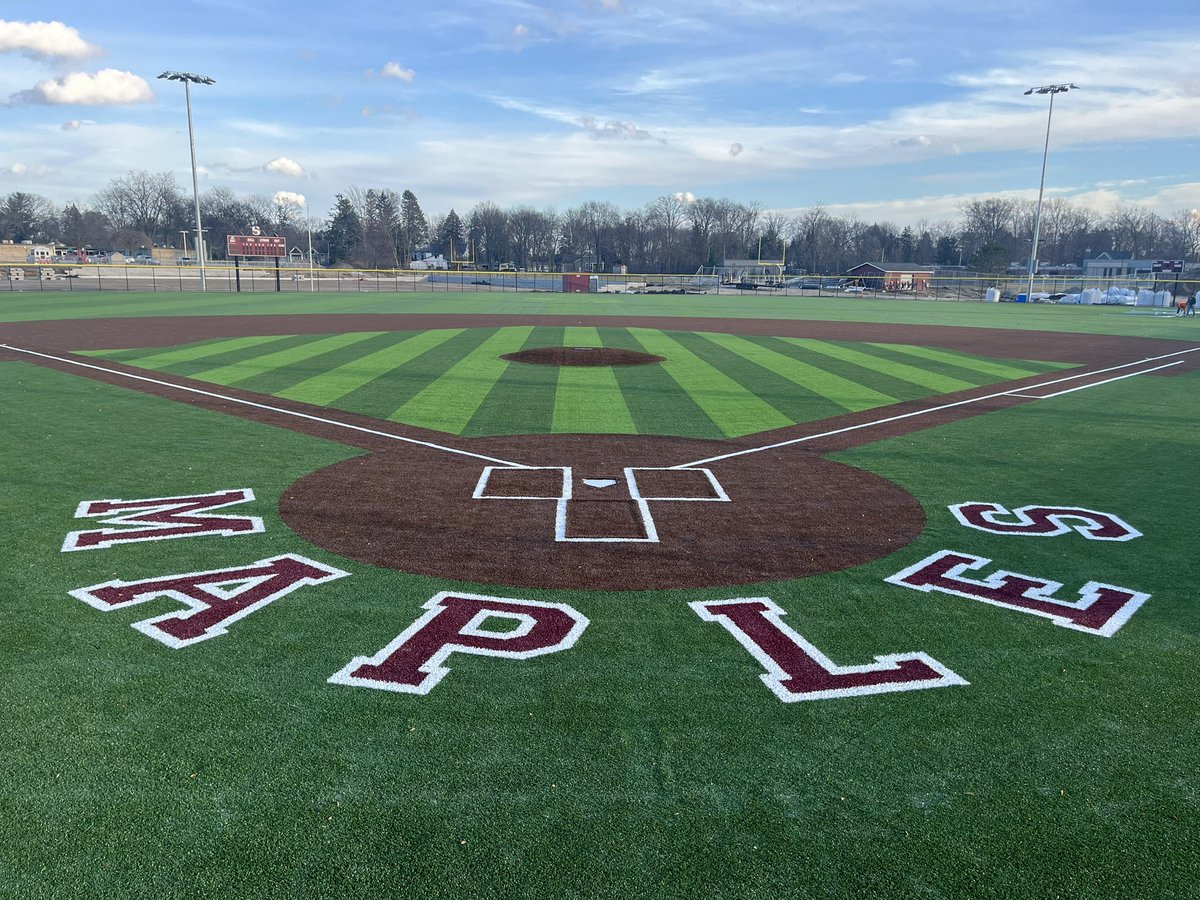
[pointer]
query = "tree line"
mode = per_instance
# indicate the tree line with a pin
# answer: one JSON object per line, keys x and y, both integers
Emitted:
{"x": 379, "y": 228}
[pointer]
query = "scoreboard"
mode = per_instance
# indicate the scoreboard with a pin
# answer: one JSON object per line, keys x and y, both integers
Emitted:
{"x": 255, "y": 245}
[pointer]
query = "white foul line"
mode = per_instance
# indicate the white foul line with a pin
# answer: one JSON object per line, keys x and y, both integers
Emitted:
{"x": 925, "y": 412}
{"x": 1084, "y": 387}
{"x": 275, "y": 409}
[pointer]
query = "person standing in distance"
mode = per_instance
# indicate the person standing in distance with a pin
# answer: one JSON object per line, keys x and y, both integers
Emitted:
{"x": 1191, "y": 303}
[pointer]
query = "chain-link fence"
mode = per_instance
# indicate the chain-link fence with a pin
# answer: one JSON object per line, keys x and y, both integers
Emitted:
{"x": 257, "y": 277}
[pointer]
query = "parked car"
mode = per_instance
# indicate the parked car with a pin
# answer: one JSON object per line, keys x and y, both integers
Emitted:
{"x": 186, "y": 261}
{"x": 854, "y": 289}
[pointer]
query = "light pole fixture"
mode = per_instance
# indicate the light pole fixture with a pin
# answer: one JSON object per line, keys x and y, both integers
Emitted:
{"x": 188, "y": 79}
{"x": 1050, "y": 89}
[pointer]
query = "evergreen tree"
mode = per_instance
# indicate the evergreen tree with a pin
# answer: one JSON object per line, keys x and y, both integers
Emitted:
{"x": 450, "y": 240}
{"x": 414, "y": 227}
{"x": 344, "y": 233}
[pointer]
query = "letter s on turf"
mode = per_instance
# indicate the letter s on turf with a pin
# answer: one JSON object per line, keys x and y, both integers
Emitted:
{"x": 1044, "y": 521}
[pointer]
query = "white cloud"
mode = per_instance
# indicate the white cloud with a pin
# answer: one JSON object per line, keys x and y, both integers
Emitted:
{"x": 397, "y": 71}
{"x": 18, "y": 168}
{"x": 613, "y": 129}
{"x": 108, "y": 87}
{"x": 735, "y": 148}
{"x": 73, "y": 125}
{"x": 684, "y": 196}
{"x": 285, "y": 166}
{"x": 44, "y": 39}
{"x": 288, "y": 198}
{"x": 520, "y": 32}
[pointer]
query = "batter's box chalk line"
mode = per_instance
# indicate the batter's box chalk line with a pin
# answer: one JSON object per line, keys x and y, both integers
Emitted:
{"x": 565, "y": 483}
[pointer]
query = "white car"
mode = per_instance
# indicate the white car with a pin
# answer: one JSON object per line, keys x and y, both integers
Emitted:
{"x": 853, "y": 289}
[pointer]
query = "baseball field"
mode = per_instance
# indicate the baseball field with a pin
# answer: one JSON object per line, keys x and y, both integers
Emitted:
{"x": 569, "y": 596}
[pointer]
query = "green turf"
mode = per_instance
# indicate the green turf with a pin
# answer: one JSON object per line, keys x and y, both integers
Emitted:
{"x": 521, "y": 400}
{"x": 349, "y": 372}
{"x": 448, "y": 403}
{"x": 23, "y": 306}
{"x": 841, "y": 392}
{"x": 714, "y": 385}
{"x": 647, "y": 761}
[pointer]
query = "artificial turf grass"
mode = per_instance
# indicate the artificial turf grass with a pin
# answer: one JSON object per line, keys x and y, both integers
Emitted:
{"x": 649, "y": 758}
{"x": 52, "y": 305}
{"x": 454, "y": 380}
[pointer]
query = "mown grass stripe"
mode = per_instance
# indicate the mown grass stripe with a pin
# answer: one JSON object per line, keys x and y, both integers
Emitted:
{"x": 522, "y": 400}
{"x": 449, "y": 403}
{"x": 733, "y": 408}
{"x": 581, "y": 336}
{"x": 588, "y": 398}
{"x": 192, "y": 367}
{"x": 933, "y": 366}
{"x": 240, "y": 371}
{"x": 876, "y": 381}
{"x": 843, "y": 392}
{"x": 902, "y": 371}
{"x": 383, "y": 395}
{"x": 792, "y": 401}
{"x": 162, "y": 359}
{"x": 982, "y": 365}
{"x": 340, "y": 383}
{"x": 655, "y": 400}
{"x": 281, "y": 379}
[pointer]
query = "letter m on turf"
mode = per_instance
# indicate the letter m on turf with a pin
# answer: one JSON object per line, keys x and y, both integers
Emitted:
{"x": 161, "y": 519}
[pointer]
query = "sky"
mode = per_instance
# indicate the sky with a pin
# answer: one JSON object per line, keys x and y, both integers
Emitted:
{"x": 890, "y": 111}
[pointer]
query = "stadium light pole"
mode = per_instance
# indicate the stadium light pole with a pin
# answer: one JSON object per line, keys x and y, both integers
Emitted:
{"x": 1050, "y": 89}
{"x": 308, "y": 222}
{"x": 188, "y": 79}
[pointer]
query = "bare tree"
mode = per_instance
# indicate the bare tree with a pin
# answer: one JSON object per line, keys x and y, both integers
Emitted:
{"x": 141, "y": 202}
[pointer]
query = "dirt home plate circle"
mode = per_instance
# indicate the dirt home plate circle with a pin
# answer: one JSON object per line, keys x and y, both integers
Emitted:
{"x": 602, "y": 512}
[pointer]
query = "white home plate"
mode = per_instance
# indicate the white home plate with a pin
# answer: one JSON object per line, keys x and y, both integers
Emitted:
{"x": 599, "y": 482}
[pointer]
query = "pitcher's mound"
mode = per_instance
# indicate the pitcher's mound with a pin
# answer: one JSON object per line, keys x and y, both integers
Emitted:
{"x": 582, "y": 356}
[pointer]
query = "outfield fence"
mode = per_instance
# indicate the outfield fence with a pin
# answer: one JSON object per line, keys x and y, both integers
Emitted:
{"x": 258, "y": 277}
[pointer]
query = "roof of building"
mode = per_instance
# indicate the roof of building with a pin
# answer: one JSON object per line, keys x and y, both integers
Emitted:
{"x": 894, "y": 267}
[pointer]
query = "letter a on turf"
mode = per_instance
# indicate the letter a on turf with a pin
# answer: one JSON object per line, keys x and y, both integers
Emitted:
{"x": 457, "y": 623}
{"x": 216, "y": 599}
{"x": 796, "y": 670}
{"x": 161, "y": 519}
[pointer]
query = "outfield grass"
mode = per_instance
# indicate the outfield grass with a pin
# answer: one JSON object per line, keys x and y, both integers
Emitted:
{"x": 29, "y": 306}
{"x": 647, "y": 761}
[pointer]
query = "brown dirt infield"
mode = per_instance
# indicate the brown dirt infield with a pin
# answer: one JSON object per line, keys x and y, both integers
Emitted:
{"x": 790, "y": 514}
{"x": 582, "y": 356}
{"x": 409, "y": 506}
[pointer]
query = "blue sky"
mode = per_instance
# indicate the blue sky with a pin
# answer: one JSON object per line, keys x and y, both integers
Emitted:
{"x": 890, "y": 111}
